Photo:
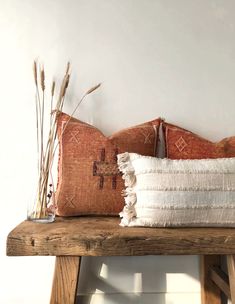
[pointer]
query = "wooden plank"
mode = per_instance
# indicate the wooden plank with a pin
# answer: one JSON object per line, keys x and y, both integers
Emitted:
{"x": 231, "y": 274}
{"x": 220, "y": 278}
{"x": 99, "y": 236}
{"x": 65, "y": 280}
{"x": 210, "y": 293}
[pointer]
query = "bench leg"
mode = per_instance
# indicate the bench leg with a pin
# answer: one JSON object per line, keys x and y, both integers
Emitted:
{"x": 65, "y": 280}
{"x": 231, "y": 274}
{"x": 210, "y": 293}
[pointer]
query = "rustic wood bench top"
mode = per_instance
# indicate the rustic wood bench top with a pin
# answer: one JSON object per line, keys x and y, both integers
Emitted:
{"x": 69, "y": 239}
{"x": 97, "y": 236}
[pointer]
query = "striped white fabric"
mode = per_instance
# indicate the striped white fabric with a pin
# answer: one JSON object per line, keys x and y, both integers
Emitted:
{"x": 164, "y": 192}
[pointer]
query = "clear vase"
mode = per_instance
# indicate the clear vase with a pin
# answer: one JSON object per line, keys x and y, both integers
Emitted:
{"x": 45, "y": 216}
{"x": 42, "y": 208}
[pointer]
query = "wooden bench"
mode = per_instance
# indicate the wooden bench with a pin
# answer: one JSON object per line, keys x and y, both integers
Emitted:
{"x": 69, "y": 239}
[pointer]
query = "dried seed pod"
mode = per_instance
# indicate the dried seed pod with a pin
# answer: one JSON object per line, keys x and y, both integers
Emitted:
{"x": 93, "y": 89}
{"x": 42, "y": 74}
{"x": 35, "y": 72}
{"x": 53, "y": 88}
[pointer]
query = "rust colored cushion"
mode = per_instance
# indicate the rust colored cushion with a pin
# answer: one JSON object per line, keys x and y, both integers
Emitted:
{"x": 183, "y": 144}
{"x": 89, "y": 181}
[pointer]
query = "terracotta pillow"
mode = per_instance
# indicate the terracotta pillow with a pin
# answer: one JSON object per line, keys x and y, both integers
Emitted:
{"x": 89, "y": 181}
{"x": 183, "y": 144}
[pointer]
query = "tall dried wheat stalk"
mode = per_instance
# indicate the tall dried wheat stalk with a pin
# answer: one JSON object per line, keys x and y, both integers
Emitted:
{"x": 45, "y": 202}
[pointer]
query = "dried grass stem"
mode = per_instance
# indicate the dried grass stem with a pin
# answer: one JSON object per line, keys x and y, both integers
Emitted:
{"x": 46, "y": 153}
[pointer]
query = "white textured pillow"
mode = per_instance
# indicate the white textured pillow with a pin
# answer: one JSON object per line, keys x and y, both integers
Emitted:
{"x": 164, "y": 192}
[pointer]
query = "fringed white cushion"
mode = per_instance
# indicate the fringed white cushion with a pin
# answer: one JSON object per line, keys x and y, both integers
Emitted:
{"x": 164, "y": 192}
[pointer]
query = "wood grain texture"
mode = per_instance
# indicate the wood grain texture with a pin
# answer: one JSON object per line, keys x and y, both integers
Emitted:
{"x": 102, "y": 236}
{"x": 65, "y": 280}
{"x": 210, "y": 293}
{"x": 231, "y": 274}
{"x": 220, "y": 278}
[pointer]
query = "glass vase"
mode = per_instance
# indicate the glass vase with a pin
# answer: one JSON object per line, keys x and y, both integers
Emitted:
{"x": 42, "y": 208}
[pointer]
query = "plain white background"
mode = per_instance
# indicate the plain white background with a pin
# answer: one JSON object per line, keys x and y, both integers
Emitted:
{"x": 174, "y": 59}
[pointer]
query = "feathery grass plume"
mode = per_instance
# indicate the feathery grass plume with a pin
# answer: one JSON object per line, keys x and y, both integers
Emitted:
{"x": 53, "y": 88}
{"x": 66, "y": 83}
{"x": 35, "y": 73}
{"x": 63, "y": 87}
{"x": 68, "y": 68}
{"x": 36, "y": 108}
{"x": 46, "y": 153}
{"x": 52, "y": 98}
{"x": 93, "y": 89}
{"x": 42, "y": 159}
{"x": 42, "y": 74}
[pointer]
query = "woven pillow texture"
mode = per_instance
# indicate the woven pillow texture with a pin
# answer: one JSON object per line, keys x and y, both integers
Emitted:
{"x": 183, "y": 144}
{"x": 164, "y": 192}
{"x": 89, "y": 182}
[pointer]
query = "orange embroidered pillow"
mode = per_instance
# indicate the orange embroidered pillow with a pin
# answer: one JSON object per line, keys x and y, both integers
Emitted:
{"x": 89, "y": 181}
{"x": 183, "y": 144}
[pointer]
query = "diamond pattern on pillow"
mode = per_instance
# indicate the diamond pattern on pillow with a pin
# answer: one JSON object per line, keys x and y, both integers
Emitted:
{"x": 183, "y": 144}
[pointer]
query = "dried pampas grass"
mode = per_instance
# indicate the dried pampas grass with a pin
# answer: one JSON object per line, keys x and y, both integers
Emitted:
{"x": 46, "y": 147}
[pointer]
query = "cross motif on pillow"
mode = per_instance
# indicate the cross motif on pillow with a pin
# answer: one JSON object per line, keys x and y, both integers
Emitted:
{"x": 148, "y": 137}
{"x": 69, "y": 202}
{"x": 74, "y": 137}
{"x": 104, "y": 168}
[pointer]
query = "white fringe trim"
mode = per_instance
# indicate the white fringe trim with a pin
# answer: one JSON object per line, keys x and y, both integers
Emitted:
{"x": 155, "y": 165}
{"x": 125, "y": 166}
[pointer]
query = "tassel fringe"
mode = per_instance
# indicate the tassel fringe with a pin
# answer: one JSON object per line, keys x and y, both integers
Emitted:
{"x": 125, "y": 166}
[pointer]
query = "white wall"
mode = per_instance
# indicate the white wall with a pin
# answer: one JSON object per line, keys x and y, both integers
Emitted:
{"x": 174, "y": 59}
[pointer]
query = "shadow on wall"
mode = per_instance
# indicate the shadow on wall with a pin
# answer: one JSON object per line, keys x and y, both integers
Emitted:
{"x": 123, "y": 299}
{"x": 110, "y": 280}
